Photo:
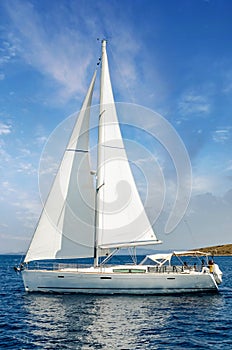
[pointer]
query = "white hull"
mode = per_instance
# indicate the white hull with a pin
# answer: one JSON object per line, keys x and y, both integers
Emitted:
{"x": 94, "y": 281}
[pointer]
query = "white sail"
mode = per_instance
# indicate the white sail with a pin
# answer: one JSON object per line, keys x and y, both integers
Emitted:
{"x": 122, "y": 220}
{"x": 66, "y": 225}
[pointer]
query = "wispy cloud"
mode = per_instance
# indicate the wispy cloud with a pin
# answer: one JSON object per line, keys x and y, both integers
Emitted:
{"x": 203, "y": 184}
{"x": 15, "y": 161}
{"x": 193, "y": 103}
{"x": 227, "y": 82}
{"x": 26, "y": 168}
{"x": 210, "y": 182}
{"x": 40, "y": 136}
{"x": 7, "y": 52}
{"x": 25, "y": 206}
{"x": 229, "y": 165}
{"x": 27, "y": 211}
{"x": 5, "y": 129}
{"x": 40, "y": 140}
{"x": 62, "y": 54}
{"x": 221, "y": 135}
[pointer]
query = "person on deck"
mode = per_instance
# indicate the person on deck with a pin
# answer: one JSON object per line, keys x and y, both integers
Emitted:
{"x": 211, "y": 264}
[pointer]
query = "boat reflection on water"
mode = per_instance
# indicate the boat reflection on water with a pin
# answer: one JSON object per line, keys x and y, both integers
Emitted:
{"x": 122, "y": 322}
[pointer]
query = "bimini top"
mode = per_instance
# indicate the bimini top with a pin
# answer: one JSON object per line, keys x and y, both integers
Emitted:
{"x": 161, "y": 258}
{"x": 191, "y": 253}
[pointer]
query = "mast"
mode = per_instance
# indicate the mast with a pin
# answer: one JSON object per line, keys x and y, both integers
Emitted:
{"x": 95, "y": 252}
{"x": 99, "y": 174}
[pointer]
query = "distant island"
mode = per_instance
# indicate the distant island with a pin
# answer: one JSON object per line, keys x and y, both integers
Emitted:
{"x": 225, "y": 249}
{"x": 220, "y": 250}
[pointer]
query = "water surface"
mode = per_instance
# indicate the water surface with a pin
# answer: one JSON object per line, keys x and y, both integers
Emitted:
{"x": 53, "y": 321}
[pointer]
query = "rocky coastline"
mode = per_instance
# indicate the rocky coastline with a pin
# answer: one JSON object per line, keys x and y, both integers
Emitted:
{"x": 218, "y": 250}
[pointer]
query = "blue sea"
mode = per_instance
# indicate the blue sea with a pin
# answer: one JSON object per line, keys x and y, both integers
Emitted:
{"x": 40, "y": 321}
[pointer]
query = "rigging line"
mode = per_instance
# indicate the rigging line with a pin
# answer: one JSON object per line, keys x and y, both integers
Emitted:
{"x": 77, "y": 150}
{"x": 98, "y": 188}
{"x": 100, "y": 115}
{"x": 190, "y": 231}
{"x": 113, "y": 147}
{"x": 132, "y": 252}
{"x": 109, "y": 256}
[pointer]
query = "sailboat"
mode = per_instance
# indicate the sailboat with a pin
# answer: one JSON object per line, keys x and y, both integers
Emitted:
{"x": 83, "y": 218}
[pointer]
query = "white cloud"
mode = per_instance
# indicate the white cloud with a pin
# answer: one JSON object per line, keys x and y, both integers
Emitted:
{"x": 8, "y": 52}
{"x": 27, "y": 211}
{"x": 12, "y": 237}
{"x": 5, "y": 129}
{"x": 16, "y": 160}
{"x": 229, "y": 165}
{"x": 193, "y": 103}
{"x": 228, "y": 88}
{"x": 25, "y": 206}
{"x": 24, "y": 152}
{"x": 7, "y": 188}
{"x": 221, "y": 135}
{"x": 40, "y": 140}
{"x": 227, "y": 82}
{"x": 26, "y": 168}
{"x": 203, "y": 184}
{"x": 62, "y": 54}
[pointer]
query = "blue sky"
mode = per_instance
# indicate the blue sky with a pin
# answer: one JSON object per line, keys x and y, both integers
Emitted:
{"x": 173, "y": 57}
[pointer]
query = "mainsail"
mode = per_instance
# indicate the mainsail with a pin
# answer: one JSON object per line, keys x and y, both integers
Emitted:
{"x": 66, "y": 225}
{"x": 122, "y": 220}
